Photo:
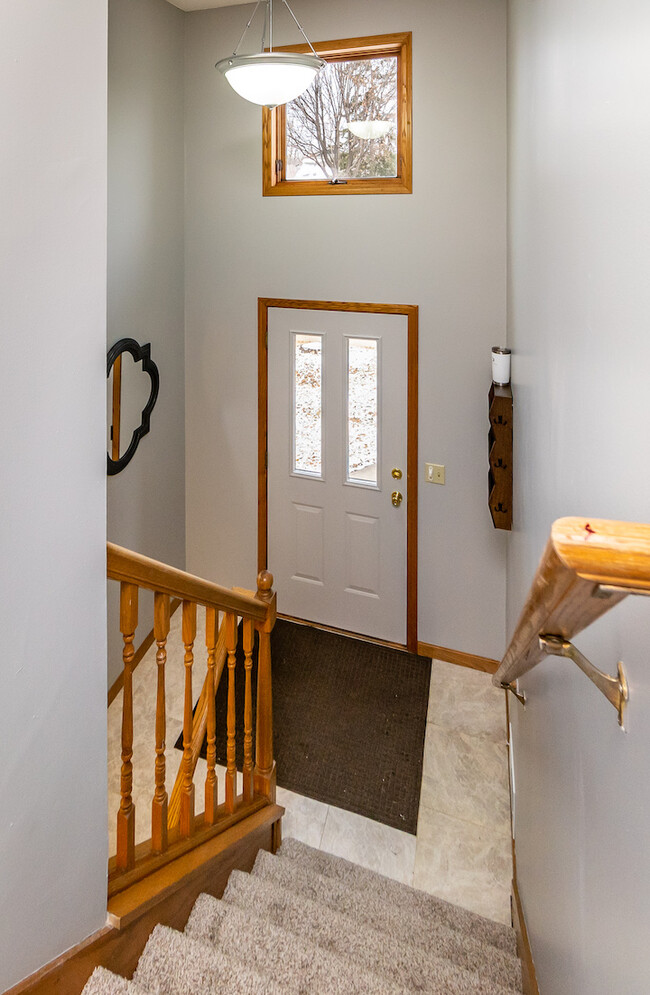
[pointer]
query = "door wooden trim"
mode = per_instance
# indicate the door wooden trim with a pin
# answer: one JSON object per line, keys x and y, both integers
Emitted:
{"x": 410, "y": 311}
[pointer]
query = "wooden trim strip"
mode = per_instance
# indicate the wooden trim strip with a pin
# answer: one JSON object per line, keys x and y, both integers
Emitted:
{"x": 134, "y": 568}
{"x": 132, "y": 903}
{"x": 343, "y": 632}
{"x": 412, "y": 482}
{"x": 323, "y": 188}
{"x": 141, "y": 651}
{"x": 354, "y": 306}
{"x": 345, "y": 48}
{"x": 41, "y": 980}
{"x": 117, "y": 408}
{"x": 262, "y": 429}
{"x": 563, "y": 600}
{"x": 168, "y": 900}
{"x": 528, "y": 974}
{"x": 483, "y": 663}
{"x": 410, "y": 312}
{"x": 524, "y": 952}
{"x": 148, "y": 863}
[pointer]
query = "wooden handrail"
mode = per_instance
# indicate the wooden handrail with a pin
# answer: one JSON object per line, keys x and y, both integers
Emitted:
{"x": 606, "y": 552}
{"x": 125, "y": 565}
{"x": 589, "y": 565}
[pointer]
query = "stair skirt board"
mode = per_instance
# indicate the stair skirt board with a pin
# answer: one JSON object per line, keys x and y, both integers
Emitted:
{"x": 306, "y": 921}
{"x": 528, "y": 973}
{"x": 118, "y": 949}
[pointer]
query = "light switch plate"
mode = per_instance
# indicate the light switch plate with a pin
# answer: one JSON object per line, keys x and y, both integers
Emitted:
{"x": 434, "y": 473}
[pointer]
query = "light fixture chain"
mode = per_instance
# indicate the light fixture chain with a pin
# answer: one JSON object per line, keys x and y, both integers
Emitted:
{"x": 300, "y": 28}
{"x": 264, "y": 24}
{"x": 243, "y": 34}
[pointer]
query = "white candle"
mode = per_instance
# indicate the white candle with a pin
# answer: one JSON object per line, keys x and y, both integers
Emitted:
{"x": 500, "y": 365}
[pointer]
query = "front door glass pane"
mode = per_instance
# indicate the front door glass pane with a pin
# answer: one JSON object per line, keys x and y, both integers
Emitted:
{"x": 362, "y": 398}
{"x": 307, "y": 404}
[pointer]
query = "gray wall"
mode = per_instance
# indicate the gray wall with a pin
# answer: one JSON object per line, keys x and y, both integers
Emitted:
{"x": 52, "y": 497}
{"x": 579, "y": 306}
{"x": 146, "y": 501}
{"x": 442, "y": 248}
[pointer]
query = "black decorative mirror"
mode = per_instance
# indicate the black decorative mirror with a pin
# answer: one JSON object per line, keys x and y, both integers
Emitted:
{"x": 131, "y": 397}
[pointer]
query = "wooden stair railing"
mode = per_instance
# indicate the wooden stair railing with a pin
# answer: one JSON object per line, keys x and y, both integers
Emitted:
{"x": 175, "y": 828}
{"x": 200, "y": 723}
{"x": 588, "y": 566}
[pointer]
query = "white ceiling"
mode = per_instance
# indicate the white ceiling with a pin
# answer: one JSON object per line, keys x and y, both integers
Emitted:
{"x": 205, "y": 4}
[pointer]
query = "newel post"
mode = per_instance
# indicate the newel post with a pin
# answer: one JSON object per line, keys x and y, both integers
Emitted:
{"x": 264, "y": 776}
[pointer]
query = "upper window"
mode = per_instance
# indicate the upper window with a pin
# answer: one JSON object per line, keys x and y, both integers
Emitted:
{"x": 350, "y": 132}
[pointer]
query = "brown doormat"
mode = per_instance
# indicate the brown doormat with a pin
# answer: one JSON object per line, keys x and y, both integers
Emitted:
{"x": 349, "y": 720}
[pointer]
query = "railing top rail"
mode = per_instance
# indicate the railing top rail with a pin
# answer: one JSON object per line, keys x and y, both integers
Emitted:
{"x": 606, "y": 552}
{"x": 125, "y": 565}
{"x": 584, "y": 559}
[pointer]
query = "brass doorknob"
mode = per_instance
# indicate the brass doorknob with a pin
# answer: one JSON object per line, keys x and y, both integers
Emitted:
{"x": 396, "y": 498}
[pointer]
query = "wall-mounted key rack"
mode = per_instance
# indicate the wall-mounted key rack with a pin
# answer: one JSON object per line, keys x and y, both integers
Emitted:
{"x": 500, "y": 456}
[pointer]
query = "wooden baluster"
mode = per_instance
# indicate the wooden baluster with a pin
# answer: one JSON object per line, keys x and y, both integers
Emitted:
{"x": 159, "y": 803}
{"x": 187, "y": 793}
{"x": 126, "y": 814}
{"x": 211, "y": 785}
{"x": 249, "y": 786}
{"x": 231, "y": 771}
{"x": 264, "y": 764}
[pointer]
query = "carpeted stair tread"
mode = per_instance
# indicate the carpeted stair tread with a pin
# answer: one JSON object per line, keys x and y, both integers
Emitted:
{"x": 308, "y": 923}
{"x": 103, "y": 982}
{"x": 400, "y": 896}
{"x": 280, "y": 954}
{"x": 413, "y": 967}
{"x": 372, "y": 907}
{"x": 175, "y": 964}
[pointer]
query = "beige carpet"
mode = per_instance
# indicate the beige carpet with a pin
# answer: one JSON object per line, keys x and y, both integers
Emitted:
{"x": 304, "y": 921}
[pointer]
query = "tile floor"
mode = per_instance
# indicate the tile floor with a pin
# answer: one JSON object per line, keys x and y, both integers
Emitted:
{"x": 462, "y": 848}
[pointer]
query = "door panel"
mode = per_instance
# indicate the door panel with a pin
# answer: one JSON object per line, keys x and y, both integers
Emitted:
{"x": 336, "y": 544}
{"x": 308, "y": 547}
{"x": 362, "y": 555}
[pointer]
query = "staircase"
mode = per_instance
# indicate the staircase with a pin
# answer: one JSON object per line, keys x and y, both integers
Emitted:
{"x": 305, "y": 921}
{"x": 302, "y": 921}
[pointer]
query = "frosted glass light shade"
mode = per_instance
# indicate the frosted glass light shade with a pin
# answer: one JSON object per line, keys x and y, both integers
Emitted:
{"x": 369, "y": 129}
{"x": 270, "y": 78}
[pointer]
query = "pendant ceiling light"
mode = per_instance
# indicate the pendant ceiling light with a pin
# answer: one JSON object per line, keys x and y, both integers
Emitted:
{"x": 267, "y": 77}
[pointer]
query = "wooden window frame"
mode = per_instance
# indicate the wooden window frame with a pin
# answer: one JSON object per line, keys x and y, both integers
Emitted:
{"x": 274, "y": 183}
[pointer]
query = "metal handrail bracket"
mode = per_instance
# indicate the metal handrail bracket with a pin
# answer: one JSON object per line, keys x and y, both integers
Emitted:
{"x": 615, "y": 689}
{"x": 512, "y": 688}
{"x": 606, "y": 590}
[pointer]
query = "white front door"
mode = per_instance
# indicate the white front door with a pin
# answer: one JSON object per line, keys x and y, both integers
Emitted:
{"x": 337, "y": 449}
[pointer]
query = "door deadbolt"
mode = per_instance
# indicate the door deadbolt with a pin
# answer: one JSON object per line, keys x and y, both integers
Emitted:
{"x": 397, "y": 474}
{"x": 396, "y": 498}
